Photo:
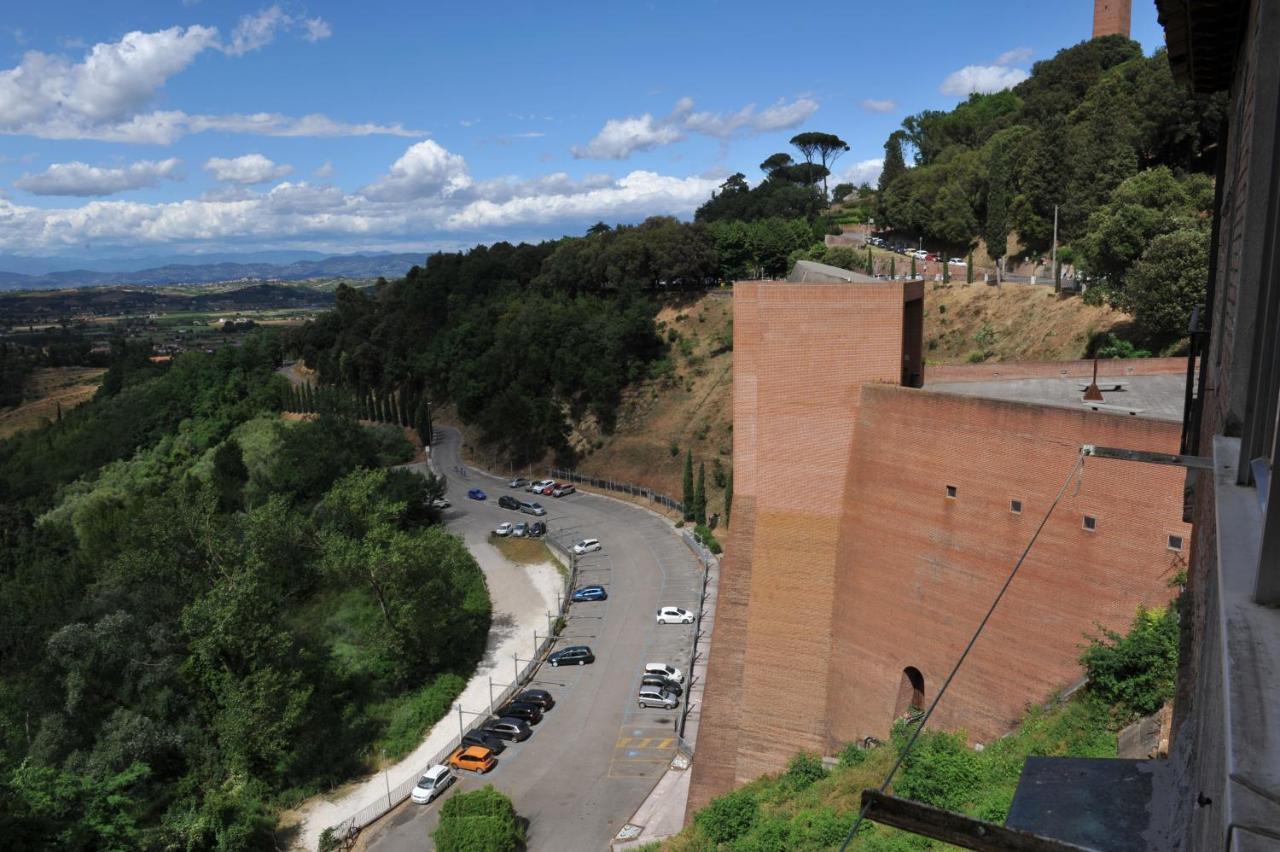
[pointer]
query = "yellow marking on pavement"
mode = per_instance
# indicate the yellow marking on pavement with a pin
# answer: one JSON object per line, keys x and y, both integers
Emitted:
{"x": 666, "y": 743}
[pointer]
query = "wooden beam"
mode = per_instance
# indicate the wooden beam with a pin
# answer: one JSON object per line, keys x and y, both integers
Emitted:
{"x": 957, "y": 829}
{"x": 1197, "y": 462}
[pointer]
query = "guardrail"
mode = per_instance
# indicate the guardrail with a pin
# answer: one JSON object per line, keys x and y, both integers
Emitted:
{"x": 346, "y": 831}
{"x": 707, "y": 559}
{"x": 620, "y": 487}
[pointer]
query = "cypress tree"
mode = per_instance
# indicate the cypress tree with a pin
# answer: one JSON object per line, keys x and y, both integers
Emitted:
{"x": 306, "y": 397}
{"x": 871, "y": 264}
{"x": 968, "y": 268}
{"x": 404, "y": 408}
{"x": 59, "y": 420}
{"x": 893, "y": 267}
{"x": 913, "y": 267}
{"x": 420, "y": 423}
{"x": 728, "y": 498}
{"x": 687, "y": 502}
{"x": 946, "y": 273}
{"x": 700, "y": 496}
{"x": 380, "y": 408}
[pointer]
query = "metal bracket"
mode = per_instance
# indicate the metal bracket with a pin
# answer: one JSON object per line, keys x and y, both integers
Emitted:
{"x": 1194, "y": 462}
{"x": 956, "y": 829}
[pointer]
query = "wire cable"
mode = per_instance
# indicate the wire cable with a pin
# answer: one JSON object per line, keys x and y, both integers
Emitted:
{"x": 1078, "y": 467}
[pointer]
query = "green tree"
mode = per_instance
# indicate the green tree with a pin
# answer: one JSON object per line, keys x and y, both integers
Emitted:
{"x": 229, "y": 476}
{"x": 827, "y": 147}
{"x": 728, "y": 498}
{"x": 687, "y": 501}
{"x": 1135, "y": 673}
{"x": 700, "y": 496}
{"x": 894, "y": 167}
{"x": 968, "y": 268}
{"x": 1167, "y": 283}
{"x": 483, "y": 820}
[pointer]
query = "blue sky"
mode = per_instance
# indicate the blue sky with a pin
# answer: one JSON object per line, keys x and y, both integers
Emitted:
{"x": 189, "y": 127}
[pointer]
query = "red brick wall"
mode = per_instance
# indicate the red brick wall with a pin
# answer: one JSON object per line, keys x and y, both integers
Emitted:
{"x": 917, "y": 571}
{"x": 801, "y": 354}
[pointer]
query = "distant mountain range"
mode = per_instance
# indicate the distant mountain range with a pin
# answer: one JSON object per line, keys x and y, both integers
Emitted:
{"x": 263, "y": 267}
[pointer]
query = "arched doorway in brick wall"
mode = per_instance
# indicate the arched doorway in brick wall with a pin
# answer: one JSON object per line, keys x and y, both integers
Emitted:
{"x": 910, "y": 693}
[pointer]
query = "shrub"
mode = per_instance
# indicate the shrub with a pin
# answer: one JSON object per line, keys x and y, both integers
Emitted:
{"x": 852, "y": 755}
{"x": 803, "y": 770}
{"x": 1115, "y": 347}
{"x": 941, "y": 770}
{"x": 1135, "y": 673}
{"x": 481, "y": 821}
{"x": 729, "y": 817}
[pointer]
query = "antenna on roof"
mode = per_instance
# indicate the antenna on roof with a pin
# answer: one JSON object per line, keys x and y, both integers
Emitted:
{"x": 1092, "y": 393}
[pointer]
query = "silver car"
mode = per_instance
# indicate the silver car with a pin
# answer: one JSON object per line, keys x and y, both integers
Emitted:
{"x": 652, "y": 696}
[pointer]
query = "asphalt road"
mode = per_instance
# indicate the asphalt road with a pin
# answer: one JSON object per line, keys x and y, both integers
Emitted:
{"x": 594, "y": 758}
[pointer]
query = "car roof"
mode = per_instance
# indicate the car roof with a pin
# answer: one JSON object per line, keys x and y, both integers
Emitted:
{"x": 436, "y": 771}
{"x": 536, "y": 692}
{"x": 476, "y": 751}
{"x": 510, "y": 720}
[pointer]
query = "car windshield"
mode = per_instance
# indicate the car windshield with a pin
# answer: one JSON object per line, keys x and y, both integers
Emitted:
{"x": 427, "y": 782}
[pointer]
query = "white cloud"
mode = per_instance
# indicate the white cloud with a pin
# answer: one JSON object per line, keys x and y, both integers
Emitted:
{"x": 1017, "y": 56}
{"x": 316, "y": 29}
{"x": 105, "y": 95}
{"x": 622, "y": 137}
{"x": 876, "y": 105}
{"x": 428, "y": 189}
{"x": 981, "y": 78}
{"x": 246, "y": 170}
{"x": 325, "y": 170}
{"x": 425, "y": 169}
{"x": 864, "y": 171}
{"x": 82, "y": 179}
{"x": 256, "y": 31}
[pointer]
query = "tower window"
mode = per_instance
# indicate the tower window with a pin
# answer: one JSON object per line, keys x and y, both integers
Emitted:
{"x": 1175, "y": 542}
{"x": 1015, "y": 506}
{"x": 1090, "y": 523}
{"x": 951, "y": 492}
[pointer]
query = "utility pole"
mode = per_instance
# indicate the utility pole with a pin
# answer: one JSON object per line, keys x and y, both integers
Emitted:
{"x": 1057, "y": 282}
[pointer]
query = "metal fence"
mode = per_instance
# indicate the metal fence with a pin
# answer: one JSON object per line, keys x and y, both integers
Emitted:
{"x": 345, "y": 832}
{"x": 620, "y": 487}
{"x": 707, "y": 559}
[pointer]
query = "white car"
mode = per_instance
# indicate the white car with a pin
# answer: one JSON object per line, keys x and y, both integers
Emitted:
{"x": 652, "y": 696}
{"x": 586, "y": 546}
{"x": 674, "y": 615}
{"x": 542, "y": 486}
{"x": 665, "y": 670}
{"x": 958, "y": 261}
{"x": 440, "y": 503}
{"x": 436, "y": 780}
{"x": 504, "y": 528}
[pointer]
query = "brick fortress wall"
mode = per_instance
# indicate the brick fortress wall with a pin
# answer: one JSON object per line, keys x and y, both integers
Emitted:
{"x": 917, "y": 569}
{"x": 842, "y": 536}
{"x": 1111, "y": 17}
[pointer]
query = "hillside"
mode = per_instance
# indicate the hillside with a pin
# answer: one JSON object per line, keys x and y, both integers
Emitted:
{"x": 688, "y": 403}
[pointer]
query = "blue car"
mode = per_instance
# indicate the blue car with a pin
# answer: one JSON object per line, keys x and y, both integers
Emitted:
{"x": 590, "y": 593}
{"x": 476, "y": 494}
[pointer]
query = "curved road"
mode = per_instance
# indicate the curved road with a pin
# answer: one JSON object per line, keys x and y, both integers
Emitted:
{"x": 596, "y": 755}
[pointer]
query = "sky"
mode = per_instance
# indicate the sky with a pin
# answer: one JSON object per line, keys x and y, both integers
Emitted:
{"x": 185, "y": 127}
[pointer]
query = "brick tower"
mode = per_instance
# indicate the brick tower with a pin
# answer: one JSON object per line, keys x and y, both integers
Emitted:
{"x": 1111, "y": 17}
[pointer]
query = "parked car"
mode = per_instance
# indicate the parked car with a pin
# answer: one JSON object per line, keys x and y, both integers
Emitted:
{"x": 589, "y": 593}
{"x": 662, "y": 682}
{"x": 515, "y": 730}
{"x": 518, "y": 482}
{"x": 958, "y": 261}
{"x": 674, "y": 615}
{"x": 477, "y": 759}
{"x": 477, "y": 494}
{"x": 540, "y": 697}
{"x": 504, "y": 529}
{"x": 534, "y": 509}
{"x": 563, "y": 488}
{"x": 506, "y": 501}
{"x": 432, "y": 783}
{"x": 536, "y": 487}
{"x": 664, "y": 669}
{"x": 520, "y": 530}
{"x": 651, "y": 696}
{"x": 530, "y": 713}
{"x": 440, "y": 503}
{"x": 587, "y": 545}
{"x": 574, "y": 655}
{"x": 537, "y": 529}
{"x": 480, "y": 737}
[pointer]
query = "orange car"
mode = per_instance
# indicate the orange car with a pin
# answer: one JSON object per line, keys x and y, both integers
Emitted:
{"x": 477, "y": 759}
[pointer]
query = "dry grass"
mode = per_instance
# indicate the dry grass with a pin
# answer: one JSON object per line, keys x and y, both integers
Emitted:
{"x": 525, "y": 551}
{"x": 1030, "y": 322}
{"x": 52, "y": 386}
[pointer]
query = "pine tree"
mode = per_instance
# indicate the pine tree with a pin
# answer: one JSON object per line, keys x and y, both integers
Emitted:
{"x": 700, "y": 496}
{"x": 728, "y": 499}
{"x": 687, "y": 502}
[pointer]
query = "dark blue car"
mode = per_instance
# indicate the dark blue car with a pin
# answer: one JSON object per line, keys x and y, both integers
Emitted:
{"x": 590, "y": 593}
{"x": 476, "y": 494}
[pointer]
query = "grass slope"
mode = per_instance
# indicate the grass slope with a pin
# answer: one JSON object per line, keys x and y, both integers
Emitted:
{"x": 48, "y": 388}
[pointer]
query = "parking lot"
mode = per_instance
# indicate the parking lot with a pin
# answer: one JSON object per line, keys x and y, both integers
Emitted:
{"x": 596, "y": 754}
